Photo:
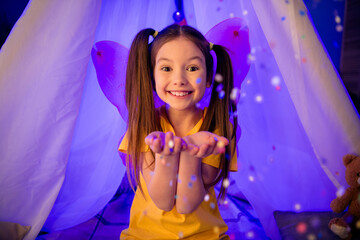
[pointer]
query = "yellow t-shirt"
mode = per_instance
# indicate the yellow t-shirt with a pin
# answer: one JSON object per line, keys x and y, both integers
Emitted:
{"x": 147, "y": 221}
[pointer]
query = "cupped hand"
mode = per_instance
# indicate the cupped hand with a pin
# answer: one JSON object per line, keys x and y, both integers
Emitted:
{"x": 165, "y": 143}
{"x": 203, "y": 144}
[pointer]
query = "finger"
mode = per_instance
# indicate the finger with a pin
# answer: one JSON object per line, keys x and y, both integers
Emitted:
{"x": 156, "y": 145}
{"x": 192, "y": 149}
{"x": 169, "y": 143}
{"x": 177, "y": 144}
{"x": 203, "y": 150}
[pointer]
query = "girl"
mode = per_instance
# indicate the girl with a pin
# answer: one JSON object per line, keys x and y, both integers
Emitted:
{"x": 178, "y": 152}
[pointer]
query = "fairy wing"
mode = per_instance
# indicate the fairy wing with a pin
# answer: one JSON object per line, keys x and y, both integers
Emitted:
{"x": 233, "y": 34}
{"x": 110, "y": 61}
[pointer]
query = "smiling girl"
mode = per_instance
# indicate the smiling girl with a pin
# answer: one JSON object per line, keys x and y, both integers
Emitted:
{"x": 178, "y": 152}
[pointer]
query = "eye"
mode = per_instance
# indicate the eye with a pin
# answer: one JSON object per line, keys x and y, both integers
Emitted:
{"x": 192, "y": 68}
{"x": 165, "y": 69}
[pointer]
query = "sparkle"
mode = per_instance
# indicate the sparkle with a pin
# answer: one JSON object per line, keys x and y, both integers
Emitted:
{"x": 258, "y": 98}
{"x": 337, "y": 19}
{"x": 171, "y": 144}
{"x": 339, "y": 28}
{"x": 311, "y": 236}
{"x": 251, "y": 178}
{"x": 250, "y": 235}
{"x": 151, "y": 174}
{"x": 190, "y": 184}
{"x": 220, "y": 144}
{"x": 297, "y": 206}
{"x": 231, "y": 15}
{"x": 275, "y": 81}
{"x": 198, "y": 81}
{"x": 206, "y": 197}
{"x": 302, "y": 13}
{"x": 234, "y": 95}
{"x": 245, "y": 12}
{"x": 176, "y": 196}
{"x": 226, "y": 183}
{"x": 171, "y": 183}
{"x": 181, "y": 235}
{"x": 218, "y": 77}
{"x": 219, "y": 88}
{"x": 301, "y": 227}
{"x": 222, "y": 94}
{"x": 340, "y": 191}
{"x": 283, "y": 19}
{"x": 212, "y": 205}
{"x": 216, "y": 230}
{"x": 193, "y": 178}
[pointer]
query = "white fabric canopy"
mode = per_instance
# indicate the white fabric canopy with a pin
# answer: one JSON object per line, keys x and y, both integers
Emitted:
{"x": 296, "y": 118}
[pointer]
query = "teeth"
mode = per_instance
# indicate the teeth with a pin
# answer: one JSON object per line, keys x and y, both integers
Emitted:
{"x": 179, "y": 94}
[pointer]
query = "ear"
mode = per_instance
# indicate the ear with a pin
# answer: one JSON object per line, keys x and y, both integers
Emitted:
{"x": 348, "y": 159}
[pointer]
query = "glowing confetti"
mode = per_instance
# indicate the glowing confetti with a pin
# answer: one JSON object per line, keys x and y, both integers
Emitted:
{"x": 198, "y": 81}
{"x": 216, "y": 230}
{"x": 206, "y": 197}
{"x": 151, "y": 174}
{"x": 301, "y": 227}
{"x": 179, "y": 181}
{"x": 339, "y": 27}
{"x": 251, "y": 178}
{"x": 315, "y": 222}
{"x": 258, "y": 98}
{"x": 337, "y": 19}
{"x": 235, "y": 95}
{"x": 220, "y": 144}
{"x": 251, "y": 58}
{"x": 176, "y": 196}
{"x": 311, "y": 237}
{"x": 190, "y": 184}
{"x": 250, "y": 235}
{"x": 303, "y": 60}
{"x": 171, "y": 144}
{"x": 231, "y": 15}
{"x": 219, "y": 88}
{"x": 245, "y": 12}
{"x": 226, "y": 183}
{"x": 181, "y": 235}
{"x": 277, "y": 88}
{"x": 171, "y": 183}
{"x": 297, "y": 206}
{"x": 218, "y": 78}
{"x": 283, "y": 19}
{"x": 248, "y": 81}
{"x": 275, "y": 81}
{"x": 212, "y": 205}
{"x": 193, "y": 178}
{"x": 303, "y": 36}
{"x": 302, "y": 13}
{"x": 232, "y": 236}
{"x": 242, "y": 95}
{"x": 340, "y": 191}
{"x": 222, "y": 94}
{"x": 197, "y": 105}
{"x": 357, "y": 224}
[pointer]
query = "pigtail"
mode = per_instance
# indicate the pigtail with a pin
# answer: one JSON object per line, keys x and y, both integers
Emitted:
{"x": 219, "y": 111}
{"x": 143, "y": 118}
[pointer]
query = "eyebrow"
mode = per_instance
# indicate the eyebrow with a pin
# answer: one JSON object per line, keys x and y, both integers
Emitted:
{"x": 169, "y": 60}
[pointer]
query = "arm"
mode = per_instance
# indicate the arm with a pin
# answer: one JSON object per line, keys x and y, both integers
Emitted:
{"x": 160, "y": 178}
{"x": 191, "y": 193}
{"x": 339, "y": 204}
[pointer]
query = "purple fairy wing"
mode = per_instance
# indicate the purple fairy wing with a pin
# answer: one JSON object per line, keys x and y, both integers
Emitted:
{"x": 233, "y": 34}
{"x": 110, "y": 60}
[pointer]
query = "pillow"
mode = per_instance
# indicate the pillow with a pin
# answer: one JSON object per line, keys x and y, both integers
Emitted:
{"x": 12, "y": 231}
{"x": 305, "y": 225}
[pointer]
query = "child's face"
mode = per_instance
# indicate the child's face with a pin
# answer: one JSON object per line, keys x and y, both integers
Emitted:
{"x": 180, "y": 74}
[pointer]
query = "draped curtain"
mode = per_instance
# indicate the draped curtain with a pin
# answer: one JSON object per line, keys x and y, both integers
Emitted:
{"x": 59, "y": 134}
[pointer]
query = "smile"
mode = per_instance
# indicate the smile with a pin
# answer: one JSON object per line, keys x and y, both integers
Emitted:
{"x": 179, "y": 94}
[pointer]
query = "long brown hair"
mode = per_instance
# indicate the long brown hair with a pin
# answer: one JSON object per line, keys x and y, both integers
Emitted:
{"x": 140, "y": 87}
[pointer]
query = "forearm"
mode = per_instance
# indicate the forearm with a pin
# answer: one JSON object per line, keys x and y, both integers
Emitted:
{"x": 163, "y": 182}
{"x": 190, "y": 189}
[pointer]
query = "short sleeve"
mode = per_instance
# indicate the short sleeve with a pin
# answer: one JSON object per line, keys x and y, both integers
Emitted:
{"x": 124, "y": 145}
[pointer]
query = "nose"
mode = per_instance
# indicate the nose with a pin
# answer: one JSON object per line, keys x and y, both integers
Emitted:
{"x": 180, "y": 78}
